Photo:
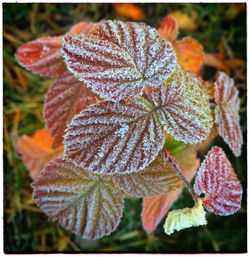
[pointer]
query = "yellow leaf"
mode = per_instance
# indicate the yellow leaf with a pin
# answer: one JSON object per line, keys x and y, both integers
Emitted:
{"x": 185, "y": 218}
{"x": 185, "y": 22}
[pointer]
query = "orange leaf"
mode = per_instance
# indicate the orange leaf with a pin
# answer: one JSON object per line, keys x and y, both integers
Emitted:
{"x": 169, "y": 28}
{"x": 185, "y": 22}
{"x": 155, "y": 208}
{"x": 189, "y": 54}
{"x": 36, "y": 151}
{"x": 129, "y": 11}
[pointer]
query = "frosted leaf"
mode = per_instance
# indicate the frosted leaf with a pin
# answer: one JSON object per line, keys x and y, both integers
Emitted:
{"x": 114, "y": 137}
{"x": 42, "y": 56}
{"x": 120, "y": 58}
{"x": 66, "y": 97}
{"x": 155, "y": 208}
{"x": 37, "y": 151}
{"x": 88, "y": 205}
{"x": 185, "y": 218}
{"x": 227, "y": 112}
{"x": 217, "y": 179}
{"x": 155, "y": 179}
{"x": 183, "y": 108}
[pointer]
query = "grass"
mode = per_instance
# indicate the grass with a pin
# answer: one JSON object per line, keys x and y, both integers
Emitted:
{"x": 26, "y": 228}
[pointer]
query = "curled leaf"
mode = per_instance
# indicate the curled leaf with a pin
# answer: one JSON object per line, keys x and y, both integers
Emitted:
{"x": 120, "y": 58}
{"x": 185, "y": 218}
{"x": 227, "y": 112}
{"x": 42, "y": 56}
{"x": 66, "y": 97}
{"x": 86, "y": 204}
{"x": 217, "y": 179}
{"x": 36, "y": 151}
{"x": 169, "y": 28}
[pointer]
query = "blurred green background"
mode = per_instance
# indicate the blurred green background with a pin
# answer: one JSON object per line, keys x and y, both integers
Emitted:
{"x": 220, "y": 28}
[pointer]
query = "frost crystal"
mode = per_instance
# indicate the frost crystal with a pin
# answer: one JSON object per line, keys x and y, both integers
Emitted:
{"x": 120, "y": 58}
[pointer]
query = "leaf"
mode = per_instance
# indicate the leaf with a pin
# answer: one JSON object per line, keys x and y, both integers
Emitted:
{"x": 184, "y": 21}
{"x": 125, "y": 57}
{"x": 155, "y": 179}
{"x": 185, "y": 218}
{"x": 114, "y": 137}
{"x": 183, "y": 108}
{"x": 216, "y": 178}
{"x": 66, "y": 97}
{"x": 169, "y": 28}
{"x": 130, "y": 11}
{"x": 42, "y": 56}
{"x": 86, "y": 204}
{"x": 155, "y": 208}
{"x": 82, "y": 28}
{"x": 189, "y": 54}
{"x": 36, "y": 151}
{"x": 227, "y": 112}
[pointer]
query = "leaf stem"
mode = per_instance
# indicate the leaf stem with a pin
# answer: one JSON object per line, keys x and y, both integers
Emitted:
{"x": 167, "y": 157}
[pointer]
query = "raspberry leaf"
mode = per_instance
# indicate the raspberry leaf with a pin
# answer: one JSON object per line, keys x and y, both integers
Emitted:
{"x": 120, "y": 58}
{"x": 227, "y": 112}
{"x": 42, "y": 56}
{"x": 86, "y": 204}
{"x": 66, "y": 97}
{"x": 217, "y": 179}
{"x": 114, "y": 137}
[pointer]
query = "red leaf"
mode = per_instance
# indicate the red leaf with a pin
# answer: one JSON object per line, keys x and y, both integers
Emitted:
{"x": 125, "y": 57}
{"x": 227, "y": 112}
{"x": 183, "y": 108}
{"x": 42, "y": 56}
{"x": 216, "y": 178}
{"x": 169, "y": 28}
{"x": 86, "y": 204}
{"x": 155, "y": 208}
{"x": 114, "y": 137}
{"x": 36, "y": 151}
{"x": 66, "y": 97}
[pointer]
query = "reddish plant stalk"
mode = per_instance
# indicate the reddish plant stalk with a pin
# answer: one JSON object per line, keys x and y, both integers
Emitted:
{"x": 167, "y": 157}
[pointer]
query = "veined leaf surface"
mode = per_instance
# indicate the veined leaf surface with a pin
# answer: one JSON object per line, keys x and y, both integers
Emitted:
{"x": 42, "y": 56}
{"x": 66, "y": 97}
{"x": 227, "y": 112}
{"x": 114, "y": 137}
{"x": 120, "y": 58}
{"x": 217, "y": 179}
{"x": 86, "y": 204}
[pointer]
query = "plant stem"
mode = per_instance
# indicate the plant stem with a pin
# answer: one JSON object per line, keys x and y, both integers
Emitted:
{"x": 167, "y": 157}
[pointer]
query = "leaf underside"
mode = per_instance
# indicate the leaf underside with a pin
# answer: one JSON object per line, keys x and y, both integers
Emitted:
{"x": 66, "y": 97}
{"x": 120, "y": 58}
{"x": 216, "y": 178}
{"x": 86, "y": 204}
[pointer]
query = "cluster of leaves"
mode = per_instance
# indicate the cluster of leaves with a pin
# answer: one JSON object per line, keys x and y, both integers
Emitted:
{"x": 112, "y": 146}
